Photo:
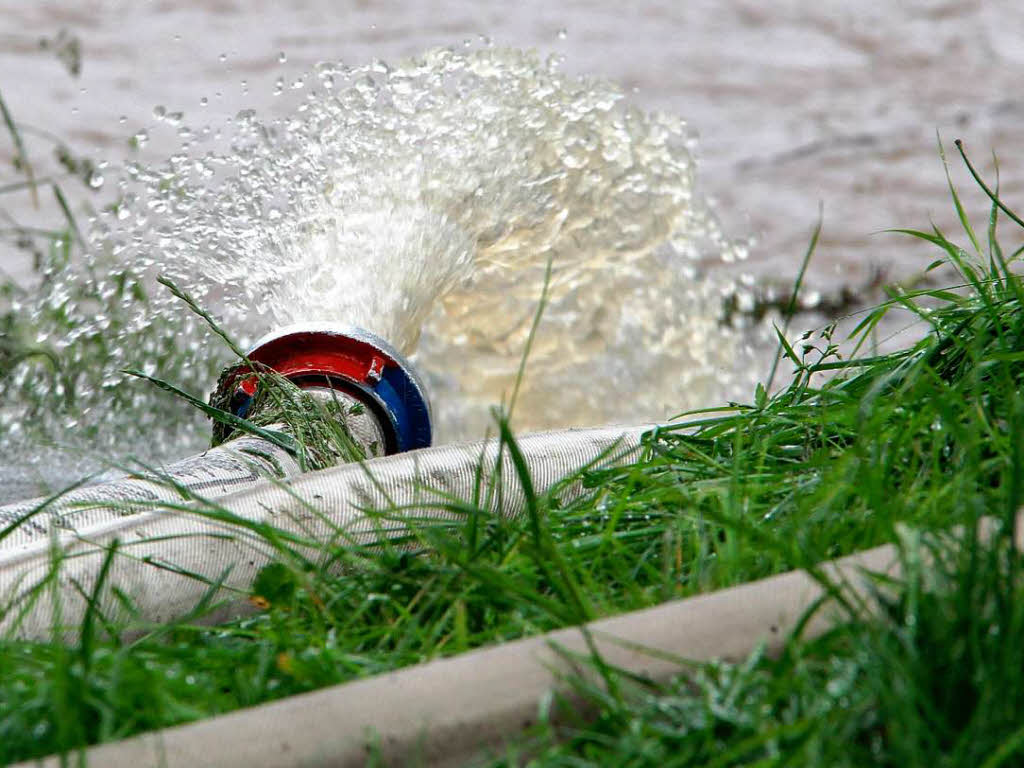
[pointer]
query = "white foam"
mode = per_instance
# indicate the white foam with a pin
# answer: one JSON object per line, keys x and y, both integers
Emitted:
{"x": 422, "y": 202}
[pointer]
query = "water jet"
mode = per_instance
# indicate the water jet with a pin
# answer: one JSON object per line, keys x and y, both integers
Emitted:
{"x": 386, "y": 403}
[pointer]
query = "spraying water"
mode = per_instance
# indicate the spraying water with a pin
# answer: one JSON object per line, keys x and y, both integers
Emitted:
{"x": 425, "y": 203}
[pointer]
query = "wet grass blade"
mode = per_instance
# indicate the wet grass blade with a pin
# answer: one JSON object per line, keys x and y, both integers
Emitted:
{"x": 791, "y": 308}
{"x": 193, "y": 305}
{"x": 961, "y": 215}
{"x": 981, "y": 183}
{"x": 279, "y": 439}
{"x": 68, "y": 215}
{"x": 19, "y": 146}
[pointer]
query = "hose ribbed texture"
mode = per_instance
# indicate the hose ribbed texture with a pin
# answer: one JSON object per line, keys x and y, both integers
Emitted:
{"x": 168, "y": 558}
{"x": 238, "y": 465}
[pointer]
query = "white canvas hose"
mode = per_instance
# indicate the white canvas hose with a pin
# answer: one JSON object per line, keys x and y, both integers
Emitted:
{"x": 167, "y": 558}
{"x": 233, "y": 467}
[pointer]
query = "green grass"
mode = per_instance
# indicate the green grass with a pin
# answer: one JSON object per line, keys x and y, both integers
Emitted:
{"x": 911, "y": 442}
{"x": 906, "y": 444}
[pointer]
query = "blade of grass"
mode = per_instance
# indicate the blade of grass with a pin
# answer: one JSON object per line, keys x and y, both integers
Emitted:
{"x": 22, "y": 155}
{"x": 790, "y": 310}
{"x": 281, "y": 440}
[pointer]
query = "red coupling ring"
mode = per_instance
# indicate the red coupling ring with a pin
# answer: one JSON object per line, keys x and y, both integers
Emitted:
{"x": 352, "y": 361}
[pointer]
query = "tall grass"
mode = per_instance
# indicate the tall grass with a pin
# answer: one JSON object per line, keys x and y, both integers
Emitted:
{"x": 880, "y": 448}
{"x": 898, "y": 448}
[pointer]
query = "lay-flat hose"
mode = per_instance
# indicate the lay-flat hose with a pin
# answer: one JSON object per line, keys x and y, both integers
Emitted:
{"x": 168, "y": 558}
{"x": 234, "y": 467}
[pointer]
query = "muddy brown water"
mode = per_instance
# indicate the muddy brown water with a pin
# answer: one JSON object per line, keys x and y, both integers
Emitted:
{"x": 795, "y": 104}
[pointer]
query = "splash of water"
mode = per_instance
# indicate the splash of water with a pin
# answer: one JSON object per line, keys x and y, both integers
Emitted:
{"x": 422, "y": 202}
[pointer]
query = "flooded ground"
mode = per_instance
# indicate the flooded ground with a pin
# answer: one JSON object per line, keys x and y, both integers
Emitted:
{"x": 796, "y": 104}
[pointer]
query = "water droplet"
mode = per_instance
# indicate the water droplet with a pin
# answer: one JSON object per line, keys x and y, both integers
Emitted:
{"x": 159, "y": 111}
{"x": 203, "y": 101}
{"x": 281, "y": 57}
{"x": 563, "y": 33}
{"x": 810, "y": 299}
{"x": 459, "y": 173}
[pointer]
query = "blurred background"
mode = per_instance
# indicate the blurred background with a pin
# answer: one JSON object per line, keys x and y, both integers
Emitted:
{"x": 794, "y": 103}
